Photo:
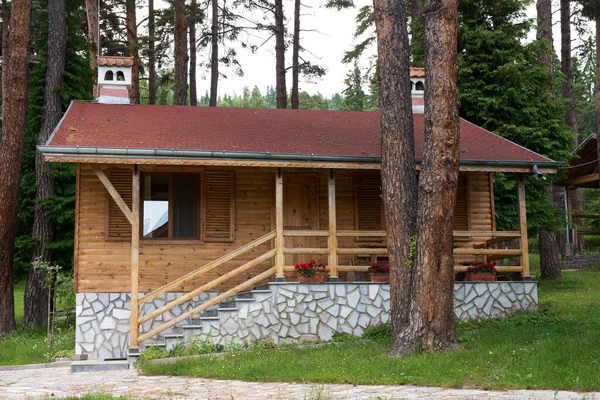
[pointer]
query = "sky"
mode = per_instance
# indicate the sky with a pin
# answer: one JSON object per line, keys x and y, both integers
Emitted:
{"x": 327, "y": 34}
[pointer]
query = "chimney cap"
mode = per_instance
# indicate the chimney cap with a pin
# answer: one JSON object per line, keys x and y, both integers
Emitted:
{"x": 115, "y": 61}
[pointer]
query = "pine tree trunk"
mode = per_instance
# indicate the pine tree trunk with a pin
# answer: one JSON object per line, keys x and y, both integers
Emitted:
{"x": 214, "y": 55}
{"x": 280, "y": 55}
{"x": 566, "y": 67}
{"x": 548, "y": 244}
{"x": 36, "y": 296}
{"x": 180, "y": 89}
{"x": 91, "y": 8}
{"x": 132, "y": 50}
{"x": 11, "y": 151}
{"x": 544, "y": 31}
{"x": 296, "y": 56}
{"x": 151, "y": 55}
{"x": 548, "y": 248}
{"x": 5, "y": 27}
{"x": 398, "y": 174}
{"x": 193, "y": 90}
{"x": 432, "y": 307}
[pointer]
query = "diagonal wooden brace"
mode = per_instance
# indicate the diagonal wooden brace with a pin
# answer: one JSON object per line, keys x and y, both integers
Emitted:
{"x": 113, "y": 193}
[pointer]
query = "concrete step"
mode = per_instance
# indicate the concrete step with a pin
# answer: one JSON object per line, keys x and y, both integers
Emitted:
{"x": 215, "y": 318}
{"x": 99, "y": 365}
{"x": 227, "y": 309}
{"x": 186, "y": 327}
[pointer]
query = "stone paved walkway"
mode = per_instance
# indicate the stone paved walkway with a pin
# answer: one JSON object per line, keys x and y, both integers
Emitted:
{"x": 60, "y": 382}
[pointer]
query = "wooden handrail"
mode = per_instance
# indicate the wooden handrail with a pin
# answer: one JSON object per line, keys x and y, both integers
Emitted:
{"x": 361, "y": 250}
{"x": 346, "y": 233}
{"x": 207, "y": 267}
{"x": 207, "y": 286}
{"x": 305, "y": 233}
{"x": 486, "y": 233}
{"x": 514, "y": 268}
{"x": 305, "y": 250}
{"x": 464, "y": 251}
{"x": 209, "y": 303}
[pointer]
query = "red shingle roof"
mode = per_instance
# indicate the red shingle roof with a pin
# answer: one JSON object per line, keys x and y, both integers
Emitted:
{"x": 306, "y": 132}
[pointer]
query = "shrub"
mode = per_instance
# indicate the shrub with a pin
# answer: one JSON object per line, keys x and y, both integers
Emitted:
{"x": 379, "y": 331}
{"x": 151, "y": 353}
{"x": 344, "y": 337}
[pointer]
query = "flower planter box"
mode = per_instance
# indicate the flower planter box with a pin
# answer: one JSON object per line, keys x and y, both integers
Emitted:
{"x": 380, "y": 277}
{"x": 317, "y": 278}
{"x": 481, "y": 277}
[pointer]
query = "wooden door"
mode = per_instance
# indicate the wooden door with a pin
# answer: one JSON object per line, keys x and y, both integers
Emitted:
{"x": 300, "y": 212}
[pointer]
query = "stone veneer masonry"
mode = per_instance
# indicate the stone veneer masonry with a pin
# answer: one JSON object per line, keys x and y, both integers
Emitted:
{"x": 285, "y": 312}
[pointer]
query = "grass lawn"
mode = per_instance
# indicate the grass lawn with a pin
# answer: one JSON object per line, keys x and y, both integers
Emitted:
{"x": 552, "y": 349}
{"x": 29, "y": 346}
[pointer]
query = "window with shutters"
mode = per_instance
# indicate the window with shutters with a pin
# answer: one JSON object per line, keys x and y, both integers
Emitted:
{"x": 170, "y": 206}
{"x": 368, "y": 203}
{"x": 178, "y": 206}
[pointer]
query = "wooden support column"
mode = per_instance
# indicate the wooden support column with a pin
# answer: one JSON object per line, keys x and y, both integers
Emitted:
{"x": 135, "y": 252}
{"x": 523, "y": 227}
{"x": 279, "y": 256}
{"x": 332, "y": 241}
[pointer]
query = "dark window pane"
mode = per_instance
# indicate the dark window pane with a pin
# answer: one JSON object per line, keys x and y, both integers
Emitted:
{"x": 185, "y": 206}
{"x": 156, "y": 206}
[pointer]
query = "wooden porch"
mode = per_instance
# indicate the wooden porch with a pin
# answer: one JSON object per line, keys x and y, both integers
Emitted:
{"x": 279, "y": 246}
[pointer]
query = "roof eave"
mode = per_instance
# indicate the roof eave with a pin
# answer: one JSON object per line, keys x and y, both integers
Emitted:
{"x": 67, "y": 154}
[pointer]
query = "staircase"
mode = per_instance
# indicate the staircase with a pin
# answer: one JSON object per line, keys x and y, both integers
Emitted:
{"x": 196, "y": 327}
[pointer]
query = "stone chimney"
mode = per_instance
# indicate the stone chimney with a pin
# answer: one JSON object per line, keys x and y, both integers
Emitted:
{"x": 114, "y": 79}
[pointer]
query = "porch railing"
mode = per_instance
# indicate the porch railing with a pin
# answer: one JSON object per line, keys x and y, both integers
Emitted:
{"x": 178, "y": 284}
{"x": 485, "y": 249}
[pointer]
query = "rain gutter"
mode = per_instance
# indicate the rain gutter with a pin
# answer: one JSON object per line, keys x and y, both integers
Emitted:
{"x": 114, "y": 152}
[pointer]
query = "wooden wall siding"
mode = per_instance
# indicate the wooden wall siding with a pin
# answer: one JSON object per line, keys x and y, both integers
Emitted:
{"x": 118, "y": 225}
{"x": 104, "y": 265}
{"x": 479, "y": 200}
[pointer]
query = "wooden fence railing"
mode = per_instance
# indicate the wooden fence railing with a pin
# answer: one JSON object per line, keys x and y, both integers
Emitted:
{"x": 488, "y": 238}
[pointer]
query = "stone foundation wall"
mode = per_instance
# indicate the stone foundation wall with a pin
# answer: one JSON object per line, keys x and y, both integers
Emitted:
{"x": 286, "y": 312}
{"x": 102, "y": 321}
{"x": 579, "y": 261}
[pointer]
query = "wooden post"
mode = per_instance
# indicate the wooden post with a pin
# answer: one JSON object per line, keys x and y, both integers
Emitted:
{"x": 135, "y": 252}
{"x": 279, "y": 257}
{"x": 523, "y": 226}
{"x": 332, "y": 241}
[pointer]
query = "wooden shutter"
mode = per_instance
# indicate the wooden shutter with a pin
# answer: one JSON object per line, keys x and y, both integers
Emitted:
{"x": 369, "y": 209}
{"x": 118, "y": 225}
{"x": 461, "y": 211}
{"x": 218, "y": 211}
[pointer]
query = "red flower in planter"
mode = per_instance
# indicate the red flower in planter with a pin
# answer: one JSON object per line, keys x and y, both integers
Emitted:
{"x": 311, "y": 268}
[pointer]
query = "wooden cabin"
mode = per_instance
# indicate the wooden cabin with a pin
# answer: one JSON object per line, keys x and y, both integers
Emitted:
{"x": 196, "y": 199}
{"x": 581, "y": 172}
